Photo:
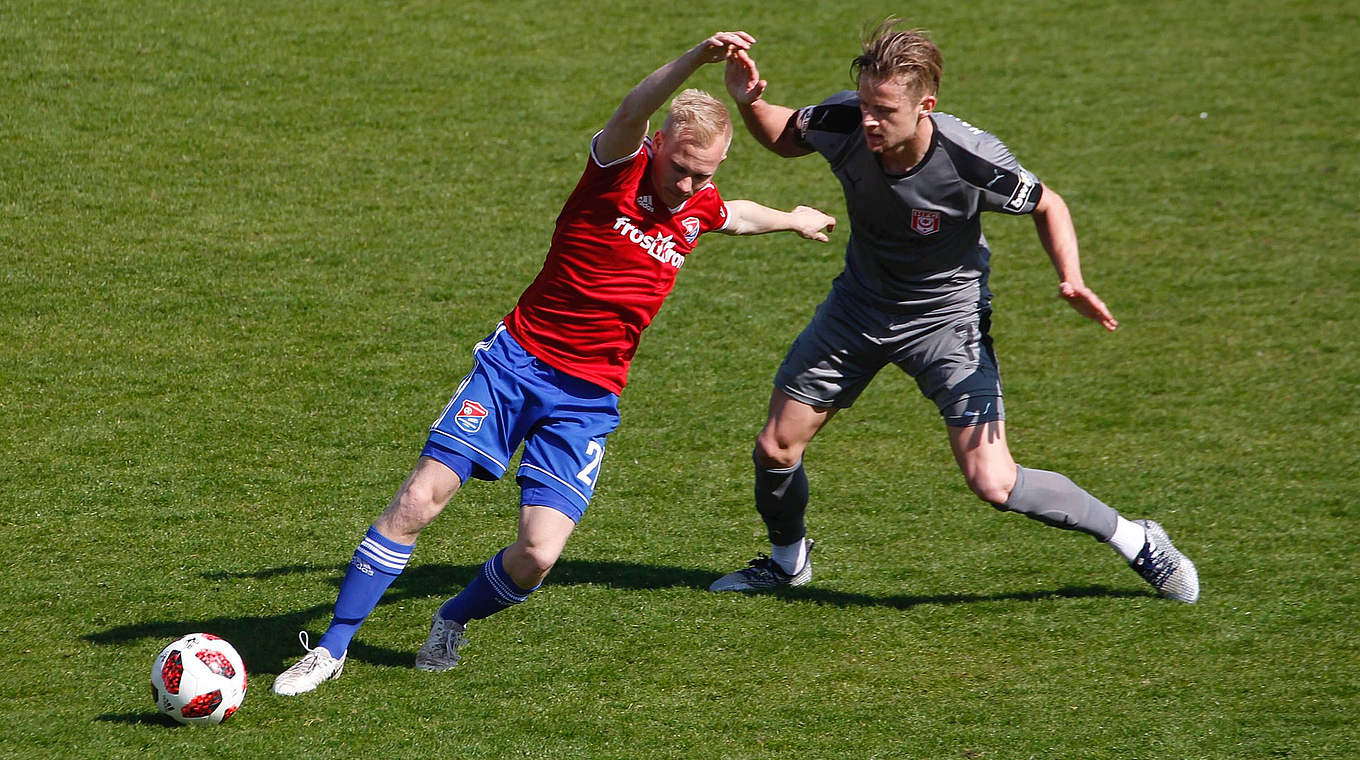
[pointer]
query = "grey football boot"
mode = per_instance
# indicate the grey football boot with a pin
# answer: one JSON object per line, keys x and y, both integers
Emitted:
{"x": 1160, "y": 564}
{"x": 440, "y": 650}
{"x": 764, "y": 574}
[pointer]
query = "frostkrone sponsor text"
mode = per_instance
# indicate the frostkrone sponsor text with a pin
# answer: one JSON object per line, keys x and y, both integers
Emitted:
{"x": 658, "y": 247}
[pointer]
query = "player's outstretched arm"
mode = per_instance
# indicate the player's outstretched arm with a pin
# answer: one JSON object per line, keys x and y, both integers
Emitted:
{"x": 624, "y": 132}
{"x": 751, "y": 218}
{"x": 1053, "y": 221}
{"x": 767, "y": 122}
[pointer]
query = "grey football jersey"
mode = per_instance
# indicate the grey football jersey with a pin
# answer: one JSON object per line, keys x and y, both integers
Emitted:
{"x": 916, "y": 242}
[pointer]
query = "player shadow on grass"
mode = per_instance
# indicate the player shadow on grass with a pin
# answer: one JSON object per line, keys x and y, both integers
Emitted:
{"x": 143, "y": 718}
{"x": 269, "y": 642}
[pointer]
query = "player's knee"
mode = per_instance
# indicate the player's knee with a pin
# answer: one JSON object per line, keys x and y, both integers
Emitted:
{"x": 419, "y": 500}
{"x": 415, "y": 507}
{"x": 774, "y": 454}
{"x": 529, "y": 563}
{"x": 992, "y": 487}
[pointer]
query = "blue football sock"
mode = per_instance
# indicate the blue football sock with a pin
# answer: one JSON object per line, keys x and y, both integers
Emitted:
{"x": 376, "y": 563}
{"x": 490, "y": 592}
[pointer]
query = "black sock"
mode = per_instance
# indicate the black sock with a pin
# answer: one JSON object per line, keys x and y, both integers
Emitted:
{"x": 781, "y": 500}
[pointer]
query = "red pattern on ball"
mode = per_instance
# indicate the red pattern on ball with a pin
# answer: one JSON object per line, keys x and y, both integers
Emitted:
{"x": 172, "y": 671}
{"x": 216, "y": 662}
{"x": 202, "y": 705}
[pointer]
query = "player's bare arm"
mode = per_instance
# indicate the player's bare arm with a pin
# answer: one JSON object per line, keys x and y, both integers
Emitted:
{"x": 751, "y": 218}
{"x": 624, "y": 132}
{"x": 1053, "y": 221}
{"x": 767, "y": 122}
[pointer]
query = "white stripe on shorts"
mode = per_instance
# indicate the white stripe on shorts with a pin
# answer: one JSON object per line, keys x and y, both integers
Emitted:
{"x": 571, "y": 487}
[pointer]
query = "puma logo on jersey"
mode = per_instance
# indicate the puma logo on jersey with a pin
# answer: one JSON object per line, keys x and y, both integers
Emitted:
{"x": 659, "y": 247}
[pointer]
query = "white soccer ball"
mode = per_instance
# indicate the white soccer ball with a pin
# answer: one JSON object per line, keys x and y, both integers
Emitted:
{"x": 198, "y": 679}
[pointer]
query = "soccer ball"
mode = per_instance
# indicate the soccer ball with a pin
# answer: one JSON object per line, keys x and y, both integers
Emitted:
{"x": 198, "y": 679}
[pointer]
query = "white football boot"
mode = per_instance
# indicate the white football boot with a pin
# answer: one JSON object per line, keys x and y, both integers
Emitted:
{"x": 309, "y": 672}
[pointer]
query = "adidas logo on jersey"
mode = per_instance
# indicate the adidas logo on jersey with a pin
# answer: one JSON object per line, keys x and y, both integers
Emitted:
{"x": 645, "y": 201}
{"x": 659, "y": 247}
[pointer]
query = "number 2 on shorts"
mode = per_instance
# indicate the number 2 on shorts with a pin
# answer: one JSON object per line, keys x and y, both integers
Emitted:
{"x": 595, "y": 452}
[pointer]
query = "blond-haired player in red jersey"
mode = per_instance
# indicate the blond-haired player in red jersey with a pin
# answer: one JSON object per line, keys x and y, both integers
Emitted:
{"x": 549, "y": 376}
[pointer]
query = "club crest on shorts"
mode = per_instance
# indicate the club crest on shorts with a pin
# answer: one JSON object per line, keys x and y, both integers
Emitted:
{"x": 470, "y": 416}
{"x": 691, "y": 225}
{"x": 925, "y": 222}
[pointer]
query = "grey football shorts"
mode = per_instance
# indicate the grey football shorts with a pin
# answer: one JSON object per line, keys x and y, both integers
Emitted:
{"x": 948, "y": 355}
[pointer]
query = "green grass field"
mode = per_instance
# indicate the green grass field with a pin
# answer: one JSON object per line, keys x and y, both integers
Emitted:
{"x": 245, "y": 250}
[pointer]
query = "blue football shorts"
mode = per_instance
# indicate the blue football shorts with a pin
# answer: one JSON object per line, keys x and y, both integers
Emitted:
{"x": 511, "y": 397}
{"x": 948, "y": 354}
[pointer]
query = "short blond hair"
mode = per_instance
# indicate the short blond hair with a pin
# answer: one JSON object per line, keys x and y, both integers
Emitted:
{"x": 891, "y": 53}
{"x": 700, "y": 116}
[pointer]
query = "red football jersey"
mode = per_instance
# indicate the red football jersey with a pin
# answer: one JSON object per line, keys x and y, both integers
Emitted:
{"x": 613, "y": 260}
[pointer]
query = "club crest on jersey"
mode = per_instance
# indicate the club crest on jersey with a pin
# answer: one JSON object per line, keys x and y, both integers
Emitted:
{"x": 470, "y": 416}
{"x": 645, "y": 201}
{"x": 691, "y": 225}
{"x": 925, "y": 222}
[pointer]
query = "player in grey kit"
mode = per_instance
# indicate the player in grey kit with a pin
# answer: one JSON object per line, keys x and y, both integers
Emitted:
{"x": 914, "y": 293}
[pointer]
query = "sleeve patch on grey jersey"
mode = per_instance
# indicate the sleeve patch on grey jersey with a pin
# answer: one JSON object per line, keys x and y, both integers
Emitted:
{"x": 839, "y": 119}
{"x": 836, "y": 119}
{"x": 1025, "y": 184}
